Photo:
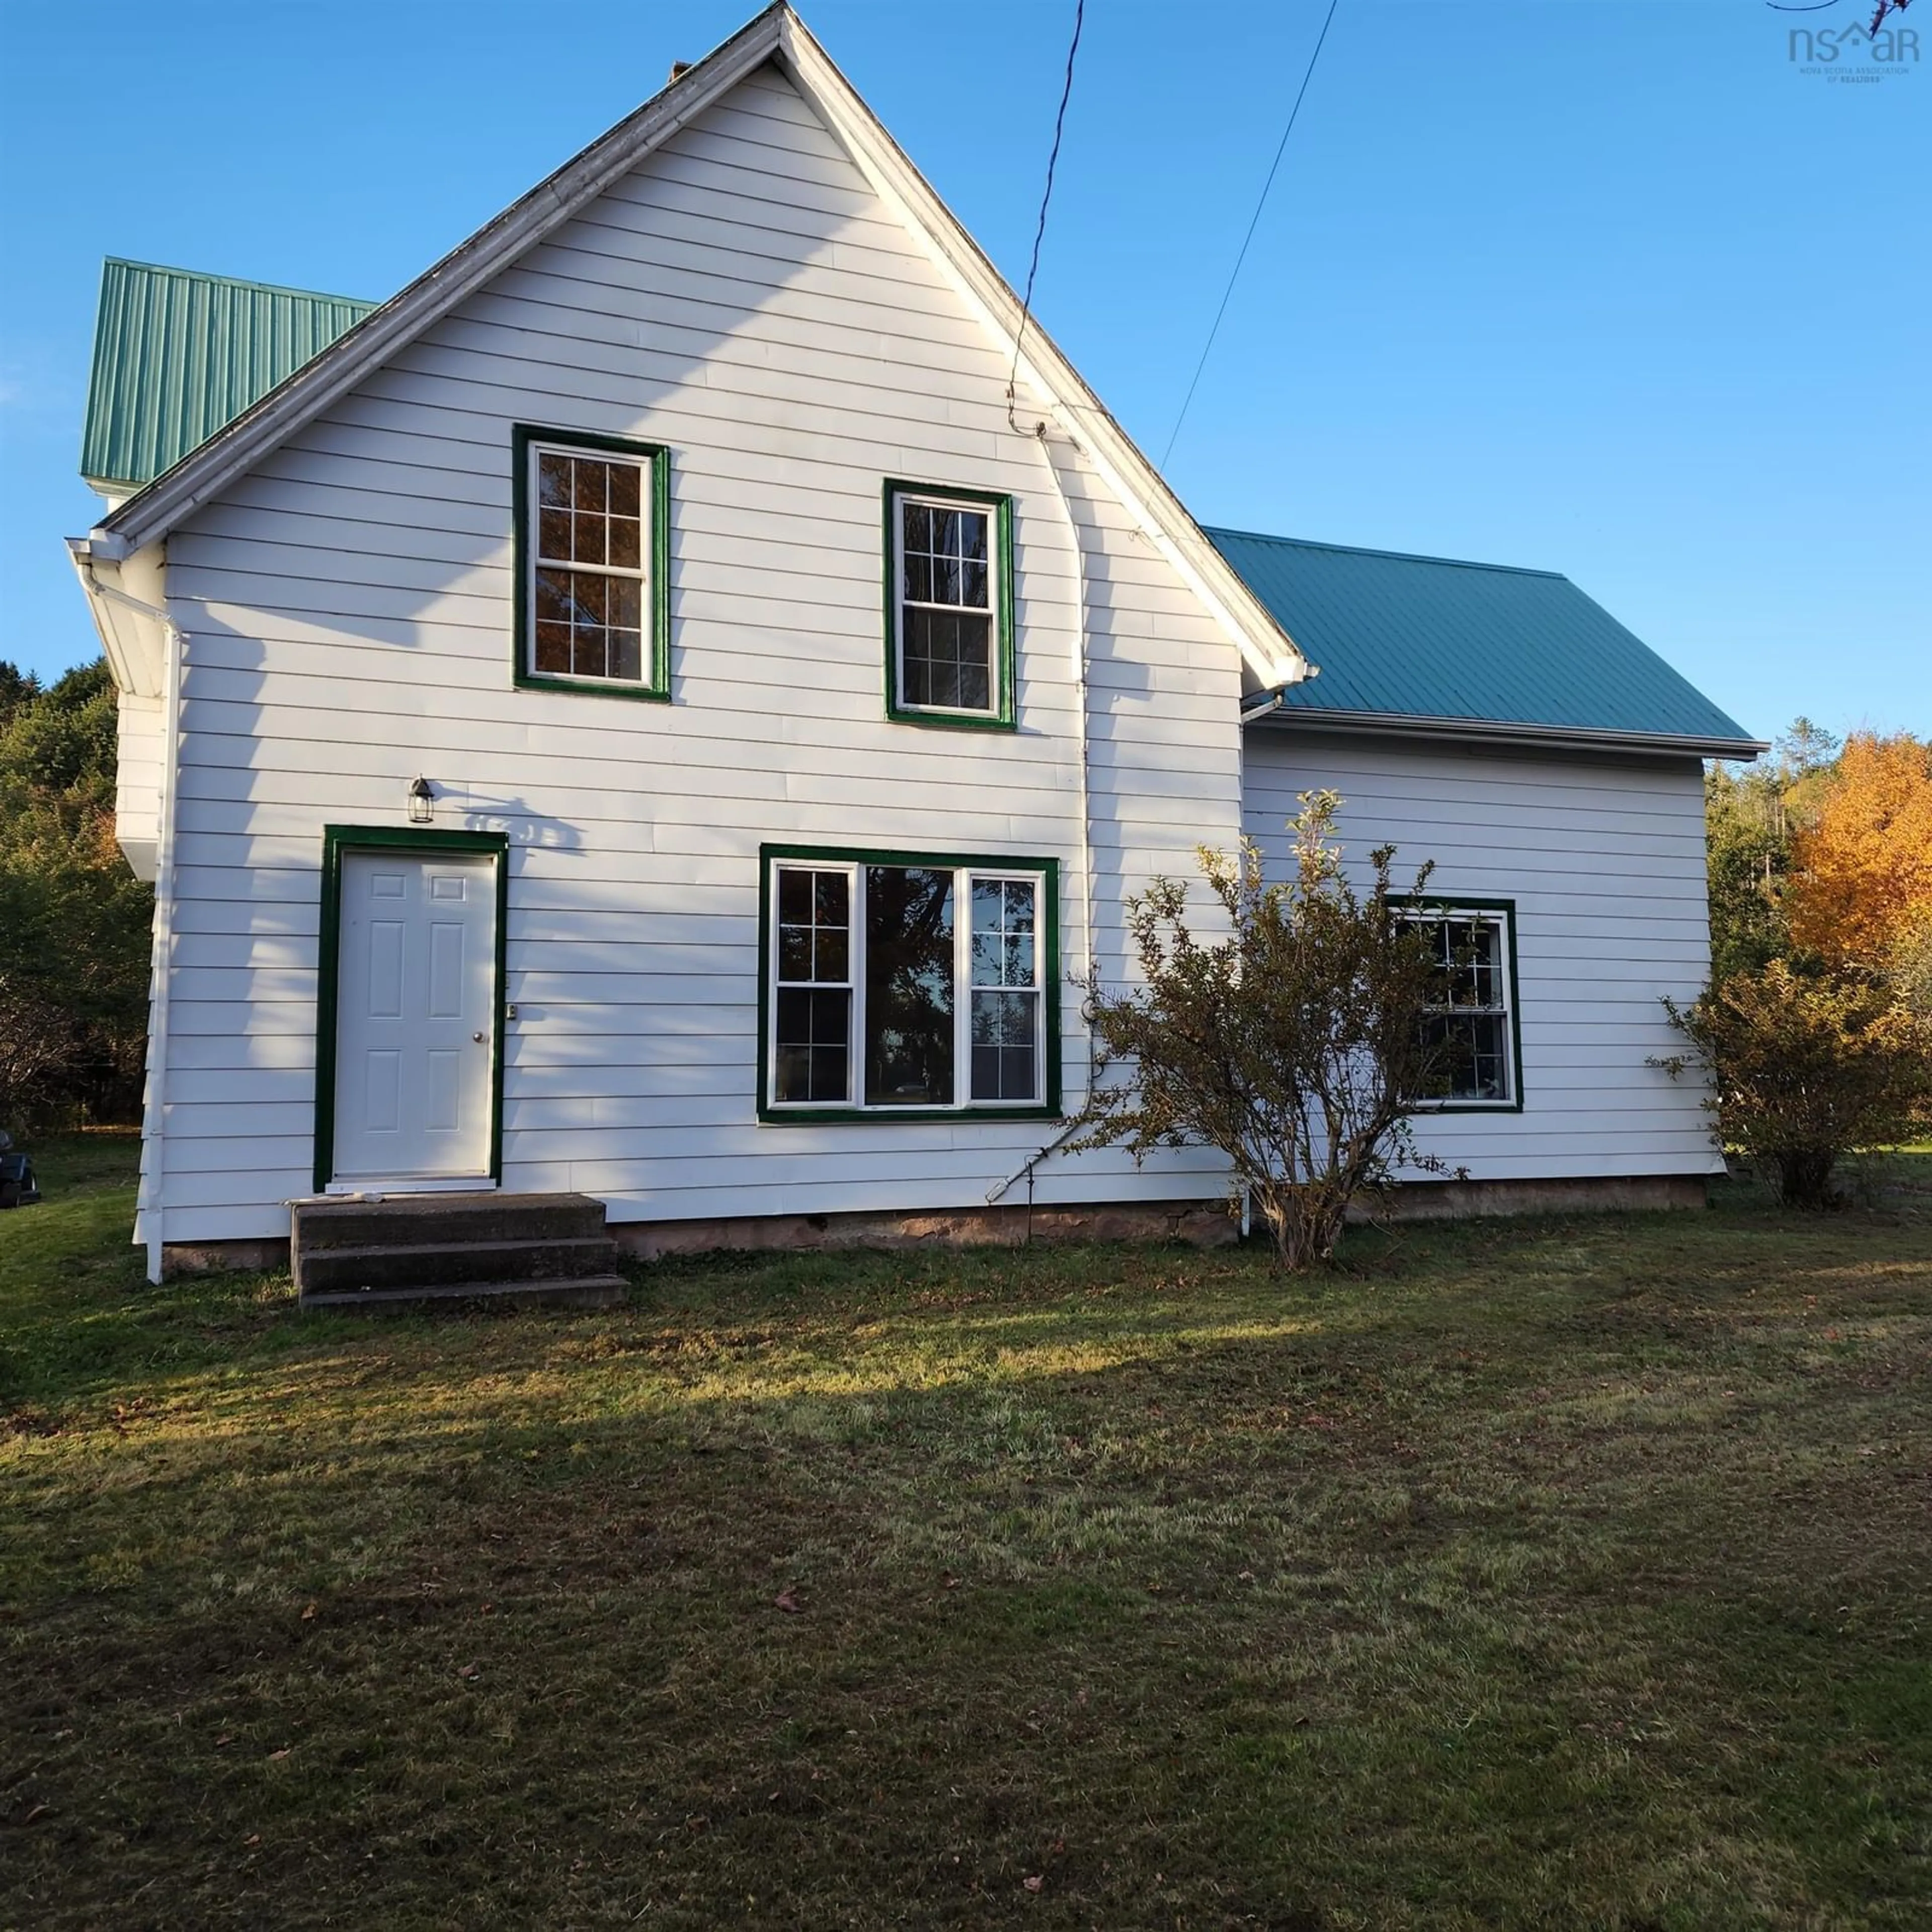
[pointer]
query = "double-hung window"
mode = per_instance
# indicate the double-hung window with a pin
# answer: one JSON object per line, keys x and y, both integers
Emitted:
{"x": 949, "y": 606}
{"x": 1470, "y": 1020}
{"x": 593, "y": 604}
{"x": 900, "y": 982}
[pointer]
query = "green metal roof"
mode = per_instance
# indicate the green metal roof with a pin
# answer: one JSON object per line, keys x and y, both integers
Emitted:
{"x": 178, "y": 355}
{"x": 1427, "y": 638}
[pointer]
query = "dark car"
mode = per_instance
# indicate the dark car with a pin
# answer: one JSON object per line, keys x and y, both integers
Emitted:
{"x": 18, "y": 1188}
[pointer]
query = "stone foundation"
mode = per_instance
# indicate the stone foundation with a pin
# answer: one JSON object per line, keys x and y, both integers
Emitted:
{"x": 1205, "y": 1224}
{"x": 264, "y": 1256}
{"x": 1614, "y": 1194}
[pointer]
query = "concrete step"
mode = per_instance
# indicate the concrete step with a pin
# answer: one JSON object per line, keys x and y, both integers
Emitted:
{"x": 414, "y": 1250}
{"x": 417, "y": 1220}
{"x": 433, "y": 1265}
{"x": 595, "y": 1291}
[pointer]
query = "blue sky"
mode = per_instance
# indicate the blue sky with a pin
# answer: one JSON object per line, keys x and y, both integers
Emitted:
{"x": 1613, "y": 287}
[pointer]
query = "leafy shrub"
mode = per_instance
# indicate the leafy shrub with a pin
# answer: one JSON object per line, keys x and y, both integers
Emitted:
{"x": 1805, "y": 1069}
{"x": 1295, "y": 1046}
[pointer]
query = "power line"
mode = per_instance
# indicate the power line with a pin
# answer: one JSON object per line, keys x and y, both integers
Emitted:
{"x": 1039, "y": 233}
{"x": 1308, "y": 75}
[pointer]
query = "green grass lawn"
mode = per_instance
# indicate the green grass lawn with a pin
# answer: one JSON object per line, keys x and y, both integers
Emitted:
{"x": 1563, "y": 1572}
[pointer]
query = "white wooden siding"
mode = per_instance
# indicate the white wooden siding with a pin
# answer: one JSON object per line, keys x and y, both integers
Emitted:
{"x": 744, "y": 299}
{"x": 1605, "y": 862}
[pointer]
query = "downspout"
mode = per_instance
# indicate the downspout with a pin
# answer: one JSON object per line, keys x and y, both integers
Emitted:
{"x": 150, "y": 1203}
{"x": 1026, "y": 1168}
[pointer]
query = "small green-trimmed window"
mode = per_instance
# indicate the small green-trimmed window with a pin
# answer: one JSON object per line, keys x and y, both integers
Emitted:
{"x": 593, "y": 604}
{"x": 895, "y": 983}
{"x": 1471, "y": 1022}
{"x": 949, "y": 606}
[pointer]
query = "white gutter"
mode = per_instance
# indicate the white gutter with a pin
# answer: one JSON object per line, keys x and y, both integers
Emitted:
{"x": 150, "y": 1206}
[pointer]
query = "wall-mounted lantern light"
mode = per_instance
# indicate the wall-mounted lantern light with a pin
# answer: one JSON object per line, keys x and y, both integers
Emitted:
{"x": 422, "y": 802}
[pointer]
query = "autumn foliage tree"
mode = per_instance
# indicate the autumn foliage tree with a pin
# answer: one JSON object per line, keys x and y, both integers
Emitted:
{"x": 1860, "y": 893}
{"x": 1816, "y": 1032}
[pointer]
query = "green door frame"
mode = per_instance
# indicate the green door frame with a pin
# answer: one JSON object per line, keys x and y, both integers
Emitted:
{"x": 336, "y": 840}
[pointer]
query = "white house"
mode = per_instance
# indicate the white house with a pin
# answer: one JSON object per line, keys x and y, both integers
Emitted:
{"x": 646, "y": 712}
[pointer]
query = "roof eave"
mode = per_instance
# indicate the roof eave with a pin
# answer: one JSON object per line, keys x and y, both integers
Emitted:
{"x": 1479, "y": 730}
{"x": 1270, "y": 656}
{"x": 206, "y": 471}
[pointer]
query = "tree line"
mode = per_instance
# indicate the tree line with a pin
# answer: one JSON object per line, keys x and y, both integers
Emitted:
{"x": 74, "y": 921}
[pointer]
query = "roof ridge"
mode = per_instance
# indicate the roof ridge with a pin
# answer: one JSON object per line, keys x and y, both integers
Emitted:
{"x": 238, "y": 281}
{"x": 1395, "y": 555}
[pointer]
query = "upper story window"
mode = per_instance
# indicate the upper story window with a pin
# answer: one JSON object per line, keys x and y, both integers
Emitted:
{"x": 896, "y": 982}
{"x": 949, "y": 612}
{"x": 1472, "y": 1016}
{"x": 592, "y": 603}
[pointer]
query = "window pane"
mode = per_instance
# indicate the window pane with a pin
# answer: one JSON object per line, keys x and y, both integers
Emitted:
{"x": 552, "y": 647}
{"x": 589, "y": 655}
{"x": 589, "y": 596}
{"x": 553, "y": 535}
{"x": 627, "y": 654}
{"x": 947, "y": 660}
{"x": 1006, "y": 1063}
{"x": 1472, "y": 1053}
{"x": 946, "y": 556}
{"x": 553, "y": 480}
{"x": 1003, "y": 945}
{"x": 812, "y": 1052}
{"x": 589, "y": 494}
{"x": 625, "y": 483}
{"x": 626, "y": 539}
{"x": 553, "y": 596}
{"x": 814, "y": 940}
{"x": 909, "y": 991}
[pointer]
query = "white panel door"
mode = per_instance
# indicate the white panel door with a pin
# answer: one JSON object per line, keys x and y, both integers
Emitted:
{"x": 415, "y": 1016}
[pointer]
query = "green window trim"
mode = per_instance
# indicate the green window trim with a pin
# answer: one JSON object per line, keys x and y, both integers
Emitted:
{"x": 1446, "y": 905}
{"x": 802, "y": 1114}
{"x": 1002, "y": 715}
{"x": 654, "y": 687}
{"x": 336, "y": 840}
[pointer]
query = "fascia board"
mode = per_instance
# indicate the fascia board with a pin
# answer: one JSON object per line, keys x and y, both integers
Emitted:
{"x": 205, "y": 472}
{"x": 1269, "y": 652}
{"x": 1555, "y": 737}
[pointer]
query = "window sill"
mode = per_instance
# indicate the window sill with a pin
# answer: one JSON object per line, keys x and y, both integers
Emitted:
{"x": 952, "y": 720}
{"x": 872, "y": 1117}
{"x": 1433, "y": 1107}
{"x": 589, "y": 687}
